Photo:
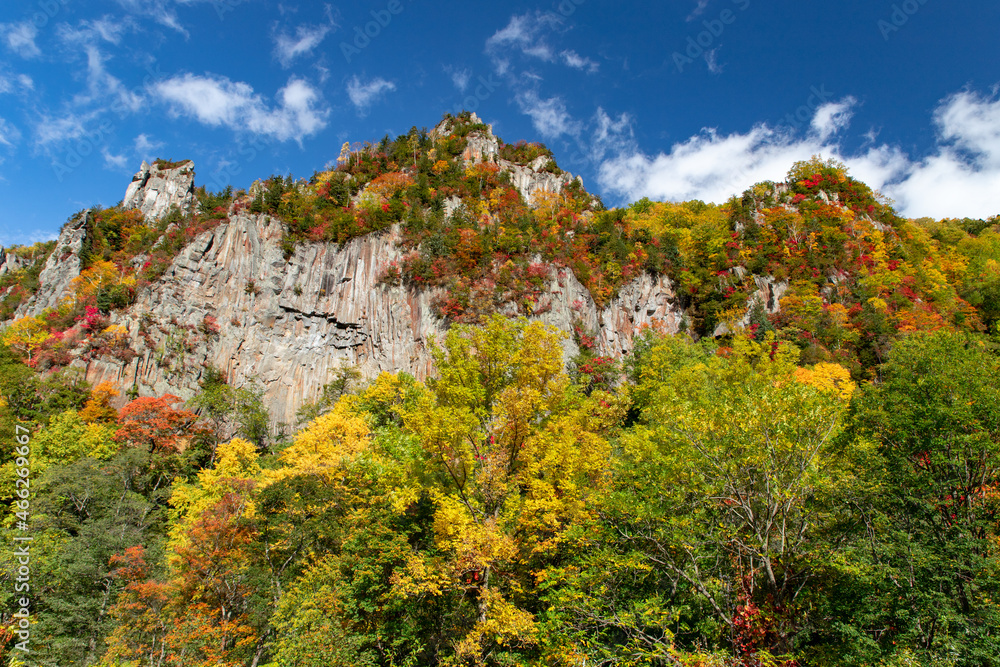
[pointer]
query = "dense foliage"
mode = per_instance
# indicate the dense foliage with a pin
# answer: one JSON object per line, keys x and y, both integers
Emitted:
{"x": 723, "y": 506}
{"x": 807, "y": 474}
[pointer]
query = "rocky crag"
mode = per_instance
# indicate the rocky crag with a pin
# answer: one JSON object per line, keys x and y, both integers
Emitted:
{"x": 231, "y": 300}
{"x": 155, "y": 189}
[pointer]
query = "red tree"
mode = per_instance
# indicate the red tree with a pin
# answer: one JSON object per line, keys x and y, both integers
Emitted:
{"x": 154, "y": 424}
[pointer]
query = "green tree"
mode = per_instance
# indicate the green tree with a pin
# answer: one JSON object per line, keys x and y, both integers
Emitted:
{"x": 727, "y": 488}
{"x": 82, "y": 514}
{"x": 935, "y": 418}
{"x": 234, "y": 412}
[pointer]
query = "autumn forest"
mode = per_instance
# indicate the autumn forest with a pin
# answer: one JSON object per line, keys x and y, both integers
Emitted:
{"x": 814, "y": 481}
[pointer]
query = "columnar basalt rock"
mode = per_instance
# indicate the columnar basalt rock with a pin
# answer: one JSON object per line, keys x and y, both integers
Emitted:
{"x": 231, "y": 300}
{"x": 289, "y": 325}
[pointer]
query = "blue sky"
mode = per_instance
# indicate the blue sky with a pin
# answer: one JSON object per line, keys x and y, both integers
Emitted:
{"x": 676, "y": 100}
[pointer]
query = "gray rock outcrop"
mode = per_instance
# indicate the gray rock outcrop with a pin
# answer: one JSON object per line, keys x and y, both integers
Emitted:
{"x": 484, "y": 146}
{"x": 60, "y": 268}
{"x": 155, "y": 189}
{"x": 10, "y": 262}
{"x": 232, "y": 301}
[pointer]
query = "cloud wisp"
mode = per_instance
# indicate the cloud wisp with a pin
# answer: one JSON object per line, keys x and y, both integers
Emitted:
{"x": 287, "y": 47}
{"x": 364, "y": 93}
{"x": 20, "y": 38}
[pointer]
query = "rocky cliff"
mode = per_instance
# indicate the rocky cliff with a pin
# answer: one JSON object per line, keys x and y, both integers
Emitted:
{"x": 61, "y": 267}
{"x": 155, "y": 189}
{"x": 530, "y": 179}
{"x": 231, "y": 300}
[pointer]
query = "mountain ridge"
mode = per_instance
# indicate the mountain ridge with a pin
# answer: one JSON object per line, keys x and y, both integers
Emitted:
{"x": 362, "y": 265}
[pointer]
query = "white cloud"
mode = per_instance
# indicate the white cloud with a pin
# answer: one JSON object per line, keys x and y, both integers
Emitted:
{"x": 363, "y": 94}
{"x": 9, "y": 135}
{"x": 833, "y": 117}
{"x": 29, "y": 238}
{"x": 287, "y": 47}
{"x": 698, "y": 10}
{"x": 611, "y": 135}
{"x": 102, "y": 84}
{"x": 145, "y": 146}
{"x": 527, "y": 34}
{"x": 20, "y": 38}
{"x": 524, "y": 33}
{"x": 161, "y": 11}
{"x": 713, "y": 167}
{"x": 549, "y": 116}
{"x": 961, "y": 176}
{"x": 576, "y": 61}
{"x": 51, "y": 130}
{"x": 114, "y": 161}
{"x": 459, "y": 77}
{"x": 164, "y": 11}
{"x": 26, "y": 82}
{"x": 217, "y": 101}
{"x": 106, "y": 28}
{"x": 712, "y": 61}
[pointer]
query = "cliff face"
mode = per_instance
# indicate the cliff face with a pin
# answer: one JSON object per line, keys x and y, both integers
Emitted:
{"x": 287, "y": 325}
{"x": 230, "y": 300}
{"x": 61, "y": 267}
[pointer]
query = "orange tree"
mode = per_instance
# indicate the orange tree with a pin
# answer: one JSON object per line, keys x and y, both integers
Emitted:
{"x": 153, "y": 424}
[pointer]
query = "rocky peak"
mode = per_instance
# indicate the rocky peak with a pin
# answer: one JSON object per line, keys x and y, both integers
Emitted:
{"x": 155, "y": 189}
{"x": 483, "y": 146}
{"x": 61, "y": 267}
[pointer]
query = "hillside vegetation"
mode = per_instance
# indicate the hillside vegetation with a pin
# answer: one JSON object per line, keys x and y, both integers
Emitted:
{"x": 813, "y": 481}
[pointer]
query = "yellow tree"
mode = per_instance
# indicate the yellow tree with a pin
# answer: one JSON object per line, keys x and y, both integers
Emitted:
{"x": 512, "y": 452}
{"x": 101, "y": 279}
{"x": 98, "y": 408}
{"x": 26, "y": 335}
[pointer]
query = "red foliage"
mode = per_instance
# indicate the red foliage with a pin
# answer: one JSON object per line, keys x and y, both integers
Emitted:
{"x": 93, "y": 320}
{"x": 154, "y": 424}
